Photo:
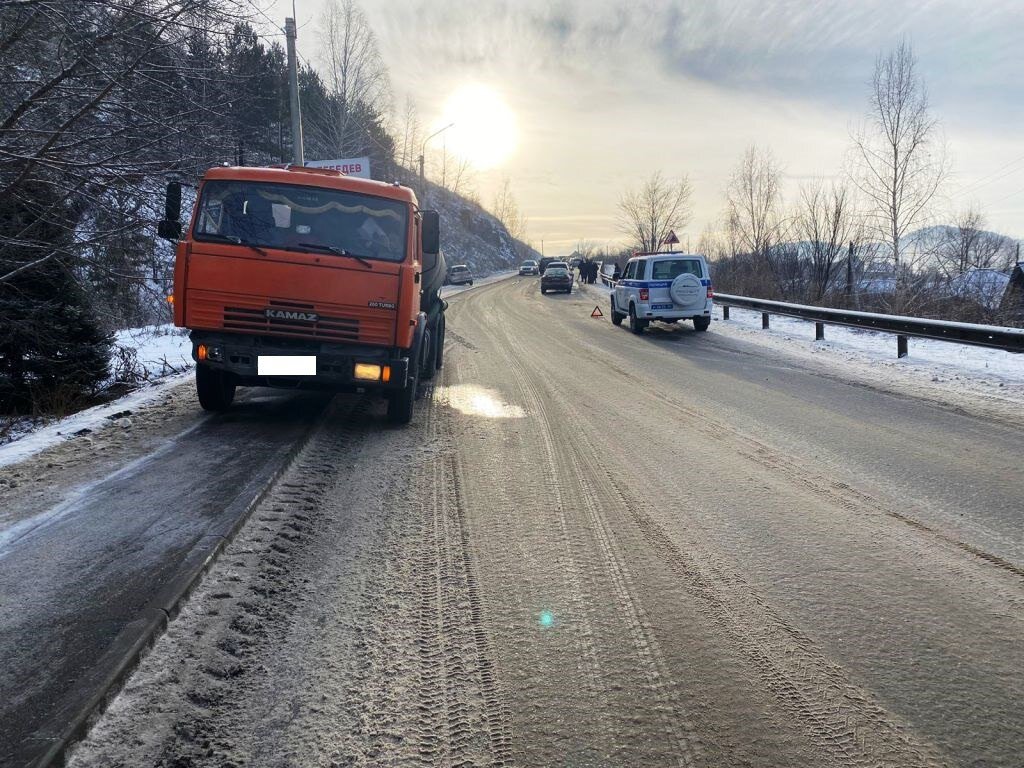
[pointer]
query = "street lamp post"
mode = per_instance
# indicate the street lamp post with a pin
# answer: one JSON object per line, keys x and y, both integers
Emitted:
{"x": 423, "y": 146}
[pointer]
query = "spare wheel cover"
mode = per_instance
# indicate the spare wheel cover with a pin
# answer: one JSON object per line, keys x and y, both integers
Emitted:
{"x": 686, "y": 290}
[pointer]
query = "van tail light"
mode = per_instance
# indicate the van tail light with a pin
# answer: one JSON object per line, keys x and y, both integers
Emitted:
{"x": 711, "y": 293}
{"x": 645, "y": 294}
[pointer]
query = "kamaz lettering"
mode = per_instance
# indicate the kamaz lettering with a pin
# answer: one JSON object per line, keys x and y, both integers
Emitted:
{"x": 284, "y": 314}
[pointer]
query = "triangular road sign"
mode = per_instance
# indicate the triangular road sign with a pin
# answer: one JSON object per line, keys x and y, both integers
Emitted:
{"x": 670, "y": 238}
{"x": 597, "y": 312}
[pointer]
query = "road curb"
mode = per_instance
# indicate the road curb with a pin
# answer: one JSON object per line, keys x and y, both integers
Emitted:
{"x": 130, "y": 646}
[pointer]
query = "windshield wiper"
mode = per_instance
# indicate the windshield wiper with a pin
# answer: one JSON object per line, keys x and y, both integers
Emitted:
{"x": 231, "y": 239}
{"x": 337, "y": 252}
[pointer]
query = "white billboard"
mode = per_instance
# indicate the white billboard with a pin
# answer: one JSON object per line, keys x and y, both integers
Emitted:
{"x": 352, "y": 166}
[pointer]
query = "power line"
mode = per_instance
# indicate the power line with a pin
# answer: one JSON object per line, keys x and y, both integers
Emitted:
{"x": 991, "y": 178}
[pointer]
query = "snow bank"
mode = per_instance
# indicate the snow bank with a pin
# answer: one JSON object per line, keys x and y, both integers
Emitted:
{"x": 938, "y": 358}
{"x": 163, "y": 356}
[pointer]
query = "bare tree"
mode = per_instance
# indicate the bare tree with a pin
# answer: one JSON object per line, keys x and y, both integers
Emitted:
{"x": 826, "y": 223}
{"x": 754, "y": 209}
{"x": 660, "y": 206}
{"x": 410, "y": 134}
{"x": 354, "y": 72}
{"x": 967, "y": 245}
{"x": 901, "y": 162}
{"x": 506, "y": 210}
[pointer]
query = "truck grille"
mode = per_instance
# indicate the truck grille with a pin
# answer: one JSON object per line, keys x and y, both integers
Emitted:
{"x": 256, "y": 321}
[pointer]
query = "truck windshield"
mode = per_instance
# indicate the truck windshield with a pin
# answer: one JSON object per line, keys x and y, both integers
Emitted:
{"x": 300, "y": 218}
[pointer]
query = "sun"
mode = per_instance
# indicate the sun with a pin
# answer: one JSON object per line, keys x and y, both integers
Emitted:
{"x": 484, "y": 130}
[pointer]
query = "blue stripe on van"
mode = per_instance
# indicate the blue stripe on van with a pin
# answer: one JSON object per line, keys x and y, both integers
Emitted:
{"x": 654, "y": 283}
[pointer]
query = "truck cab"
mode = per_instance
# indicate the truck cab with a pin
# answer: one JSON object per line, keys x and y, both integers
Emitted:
{"x": 306, "y": 278}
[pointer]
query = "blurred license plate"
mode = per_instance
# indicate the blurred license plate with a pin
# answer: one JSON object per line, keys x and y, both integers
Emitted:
{"x": 286, "y": 365}
{"x": 661, "y": 306}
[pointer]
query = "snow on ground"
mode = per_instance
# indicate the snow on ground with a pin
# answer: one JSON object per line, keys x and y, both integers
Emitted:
{"x": 159, "y": 349}
{"x": 956, "y": 372}
{"x": 939, "y": 359}
{"x": 90, "y": 419}
{"x": 163, "y": 359}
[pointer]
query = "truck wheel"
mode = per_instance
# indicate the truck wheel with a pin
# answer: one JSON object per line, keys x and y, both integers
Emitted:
{"x": 636, "y": 325}
{"x": 400, "y": 404}
{"x": 701, "y": 323}
{"x": 216, "y": 389}
{"x": 439, "y": 349}
{"x": 428, "y": 366}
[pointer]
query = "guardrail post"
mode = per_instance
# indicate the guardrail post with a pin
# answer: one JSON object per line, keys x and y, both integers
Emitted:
{"x": 764, "y": 320}
{"x": 725, "y": 313}
{"x": 819, "y": 331}
{"x": 901, "y": 346}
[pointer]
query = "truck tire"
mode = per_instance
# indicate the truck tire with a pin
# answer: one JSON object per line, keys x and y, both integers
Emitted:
{"x": 442, "y": 326}
{"x": 701, "y": 323}
{"x": 428, "y": 366}
{"x": 216, "y": 389}
{"x": 400, "y": 403}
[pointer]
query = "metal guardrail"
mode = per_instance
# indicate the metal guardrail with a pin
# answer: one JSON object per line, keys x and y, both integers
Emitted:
{"x": 993, "y": 336}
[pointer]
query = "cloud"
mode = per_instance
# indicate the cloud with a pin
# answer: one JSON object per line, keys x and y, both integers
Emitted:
{"x": 818, "y": 50}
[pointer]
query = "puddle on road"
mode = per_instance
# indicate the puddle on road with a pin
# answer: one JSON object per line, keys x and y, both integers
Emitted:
{"x": 478, "y": 401}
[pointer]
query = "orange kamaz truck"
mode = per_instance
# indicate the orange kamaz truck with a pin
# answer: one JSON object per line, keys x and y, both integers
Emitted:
{"x": 306, "y": 278}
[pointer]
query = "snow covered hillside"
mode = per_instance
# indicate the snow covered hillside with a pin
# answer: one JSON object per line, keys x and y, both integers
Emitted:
{"x": 470, "y": 235}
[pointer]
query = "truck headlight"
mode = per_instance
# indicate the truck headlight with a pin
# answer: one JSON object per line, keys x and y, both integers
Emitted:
{"x": 366, "y": 372}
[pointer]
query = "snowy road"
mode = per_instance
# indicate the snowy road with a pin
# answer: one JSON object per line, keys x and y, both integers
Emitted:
{"x": 596, "y": 549}
{"x": 97, "y": 532}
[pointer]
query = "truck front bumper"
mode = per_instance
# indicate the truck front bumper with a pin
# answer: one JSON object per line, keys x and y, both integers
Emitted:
{"x": 335, "y": 363}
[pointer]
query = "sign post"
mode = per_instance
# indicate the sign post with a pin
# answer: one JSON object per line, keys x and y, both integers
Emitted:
{"x": 670, "y": 239}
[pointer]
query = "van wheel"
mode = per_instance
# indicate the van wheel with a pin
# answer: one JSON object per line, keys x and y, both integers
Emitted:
{"x": 636, "y": 325}
{"x": 702, "y": 323}
{"x": 216, "y": 389}
{"x": 617, "y": 317}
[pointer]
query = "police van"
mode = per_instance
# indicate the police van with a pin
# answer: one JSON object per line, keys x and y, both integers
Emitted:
{"x": 663, "y": 286}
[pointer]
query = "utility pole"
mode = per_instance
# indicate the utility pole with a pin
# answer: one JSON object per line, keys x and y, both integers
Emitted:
{"x": 849, "y": 271}
{"x": 423, "y": 146}
{"x": 293, "y": 87}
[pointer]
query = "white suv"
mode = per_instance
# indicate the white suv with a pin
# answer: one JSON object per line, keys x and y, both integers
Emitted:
{"x": 666, "y": 287}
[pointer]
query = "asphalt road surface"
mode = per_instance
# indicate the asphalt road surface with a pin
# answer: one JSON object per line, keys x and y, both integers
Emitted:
{"x": 90, "y": 546}
{"x": 597, "y": 549}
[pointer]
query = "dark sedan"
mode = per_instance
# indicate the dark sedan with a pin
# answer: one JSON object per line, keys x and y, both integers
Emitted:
{"x": 556, "y": 279}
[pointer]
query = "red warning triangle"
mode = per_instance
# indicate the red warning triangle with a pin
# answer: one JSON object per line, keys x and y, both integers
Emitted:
{"x": 597, "y": 312}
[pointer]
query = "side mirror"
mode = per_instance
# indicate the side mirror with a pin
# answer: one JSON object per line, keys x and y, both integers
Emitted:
{"x": 431, "y": 231}
{"x": 170, "y": 227}
{"x": 169, "y": 230}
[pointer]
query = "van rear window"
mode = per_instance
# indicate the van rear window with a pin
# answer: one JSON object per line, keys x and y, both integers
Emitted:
{"x": 670, "y": 269}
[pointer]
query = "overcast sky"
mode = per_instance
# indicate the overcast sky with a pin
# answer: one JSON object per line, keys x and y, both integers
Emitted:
{"x": 605, "y": 92}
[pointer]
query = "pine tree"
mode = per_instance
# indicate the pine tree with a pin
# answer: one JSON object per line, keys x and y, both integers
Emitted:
{"x": 53, "y": 351}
